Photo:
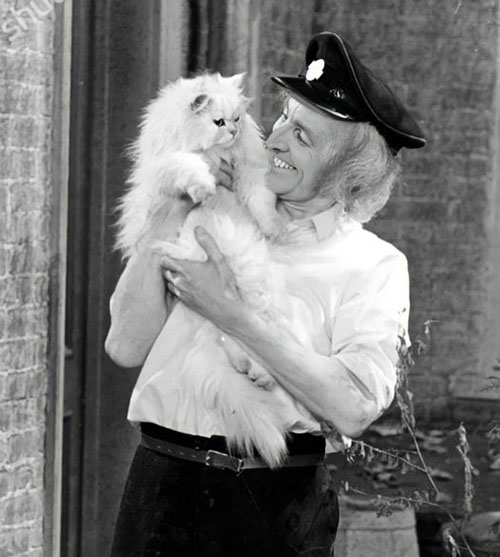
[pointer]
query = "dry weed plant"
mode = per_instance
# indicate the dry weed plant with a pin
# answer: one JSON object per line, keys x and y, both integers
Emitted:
{"x": 401, "y": 461}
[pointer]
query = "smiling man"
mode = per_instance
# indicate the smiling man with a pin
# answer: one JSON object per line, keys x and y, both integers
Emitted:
{"x": 332, "y": 163}
{"x": 297, "y": 172}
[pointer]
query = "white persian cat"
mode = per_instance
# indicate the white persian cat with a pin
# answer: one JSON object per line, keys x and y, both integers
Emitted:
{"x": 187, "y": 130}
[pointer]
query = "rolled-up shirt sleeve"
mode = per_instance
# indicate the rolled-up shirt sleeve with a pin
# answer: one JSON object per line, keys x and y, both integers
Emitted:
{"x": 367, "y": 324}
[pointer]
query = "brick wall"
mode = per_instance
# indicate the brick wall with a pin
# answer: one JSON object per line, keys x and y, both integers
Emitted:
{"x": 25, "y": 197}
{"x": 286, "y": 30}
{"x": 440, "y": 57}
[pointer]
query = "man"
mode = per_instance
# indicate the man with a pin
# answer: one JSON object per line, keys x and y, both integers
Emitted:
{"x": 332, "y": 164}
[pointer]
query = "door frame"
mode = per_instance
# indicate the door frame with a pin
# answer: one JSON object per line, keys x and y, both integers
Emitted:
{"x": 57, "y": 285}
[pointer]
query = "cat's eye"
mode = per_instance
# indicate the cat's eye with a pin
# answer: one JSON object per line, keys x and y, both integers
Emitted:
{"x": 220, "y": 122}
{"x": 237, "y": 119}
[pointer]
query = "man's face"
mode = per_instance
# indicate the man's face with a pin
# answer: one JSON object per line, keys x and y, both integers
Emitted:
{"x": 300, "y": 146}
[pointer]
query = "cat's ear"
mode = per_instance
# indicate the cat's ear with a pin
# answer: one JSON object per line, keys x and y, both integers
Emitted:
{"x": 200, "y": 102}
{"x": 236, "y": 80}
{"x": 246, "y": 102}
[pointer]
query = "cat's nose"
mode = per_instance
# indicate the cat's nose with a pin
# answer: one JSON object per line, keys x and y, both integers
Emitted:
{"x": 232, "y": 132}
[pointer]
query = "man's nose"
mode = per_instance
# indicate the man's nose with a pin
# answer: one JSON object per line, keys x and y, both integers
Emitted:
{"x": 277, "y": 141}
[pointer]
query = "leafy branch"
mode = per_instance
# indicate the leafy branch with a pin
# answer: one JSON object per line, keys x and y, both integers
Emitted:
{"x": 396, "y": 460}
{"x": 365, "y": 448}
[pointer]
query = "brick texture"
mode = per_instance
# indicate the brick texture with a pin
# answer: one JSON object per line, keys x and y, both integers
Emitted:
{"x": 26, "y": 76}
{"x": 440, "y": 58}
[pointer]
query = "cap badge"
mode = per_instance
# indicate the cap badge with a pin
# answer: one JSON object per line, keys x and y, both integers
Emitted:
{"x": 315, "y": 69}
{"x": 337, "y": 93}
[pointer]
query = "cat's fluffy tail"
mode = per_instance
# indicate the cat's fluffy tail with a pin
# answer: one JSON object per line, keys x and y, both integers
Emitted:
{"x": 252, "y": 421}
{"x": 251, "y": 417}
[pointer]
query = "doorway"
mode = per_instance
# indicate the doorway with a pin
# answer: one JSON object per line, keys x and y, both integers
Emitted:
{"x": 122, "y": 52}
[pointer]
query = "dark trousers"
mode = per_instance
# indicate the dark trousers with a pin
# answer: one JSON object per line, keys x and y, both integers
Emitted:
{"x": 173, "y": 507}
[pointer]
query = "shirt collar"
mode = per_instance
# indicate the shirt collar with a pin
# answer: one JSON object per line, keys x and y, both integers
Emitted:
{"x": 324, "y": 224}
{"x": 327, "y": 222}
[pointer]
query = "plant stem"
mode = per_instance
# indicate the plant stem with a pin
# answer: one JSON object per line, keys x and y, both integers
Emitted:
{"x": 395, "y": 456}
{"x": 417, "y": 502}
{"x": 420, "y": 456}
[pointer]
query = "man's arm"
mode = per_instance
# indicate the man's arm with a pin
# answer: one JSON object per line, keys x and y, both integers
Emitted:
{"x": 346, "y": 390}
{"x": 138, "y": 305}
{"x": 138, "y": 311}
{"x": 350, "y": 388}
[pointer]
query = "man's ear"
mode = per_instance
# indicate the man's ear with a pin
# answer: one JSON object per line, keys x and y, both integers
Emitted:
{"x": 200, "y": 102}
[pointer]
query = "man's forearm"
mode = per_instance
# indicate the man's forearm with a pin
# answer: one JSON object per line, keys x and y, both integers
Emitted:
{"x": 138, "y": 305}
{"x": 138, "y": 310}
{"x": 321, "y": 383}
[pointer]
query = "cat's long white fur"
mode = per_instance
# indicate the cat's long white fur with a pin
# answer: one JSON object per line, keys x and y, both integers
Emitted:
{"x": 172, "y": 157}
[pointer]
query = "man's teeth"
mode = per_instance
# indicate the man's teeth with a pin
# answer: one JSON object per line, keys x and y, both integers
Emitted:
{"x": 282, "y": 164}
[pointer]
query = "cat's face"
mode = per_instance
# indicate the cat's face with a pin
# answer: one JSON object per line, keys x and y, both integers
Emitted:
{"x": 218, "y": 113}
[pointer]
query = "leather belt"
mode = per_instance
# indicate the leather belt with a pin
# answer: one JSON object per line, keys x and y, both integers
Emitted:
{"x": 216, "y": 459}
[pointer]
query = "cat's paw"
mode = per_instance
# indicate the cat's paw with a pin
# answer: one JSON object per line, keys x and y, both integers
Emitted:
{"x": 261, "y": 378}
{"x": 241, "y": 363}
{"x": 265, "y": 382}
{"x": 168, "y": 248}
{"x": 202, "y": 190}
{"x": 237, "y": 357}
{"x": 274, "y": 229}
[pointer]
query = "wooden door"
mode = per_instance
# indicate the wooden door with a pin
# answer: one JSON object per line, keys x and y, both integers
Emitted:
{"x": 122, "y": 52}
{"x": 114, "y": 73}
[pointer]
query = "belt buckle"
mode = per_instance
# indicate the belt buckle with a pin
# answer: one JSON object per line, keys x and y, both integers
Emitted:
{"x": 214, "y": 459}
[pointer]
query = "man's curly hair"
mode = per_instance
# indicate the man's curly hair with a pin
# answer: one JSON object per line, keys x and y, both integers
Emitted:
{"x": 361, "y": 171}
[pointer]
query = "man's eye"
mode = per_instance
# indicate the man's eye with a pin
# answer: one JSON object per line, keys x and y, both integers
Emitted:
{"x": 298, "y": 134}
{"x": 284, "y": 115}
{"x": 219, "y": 123}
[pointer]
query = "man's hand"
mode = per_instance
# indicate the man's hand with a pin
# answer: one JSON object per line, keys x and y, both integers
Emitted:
{"x": 208, "y": 287}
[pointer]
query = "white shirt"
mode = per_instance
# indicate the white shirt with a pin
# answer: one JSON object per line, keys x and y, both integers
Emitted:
{"x": 349, "y": 292}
